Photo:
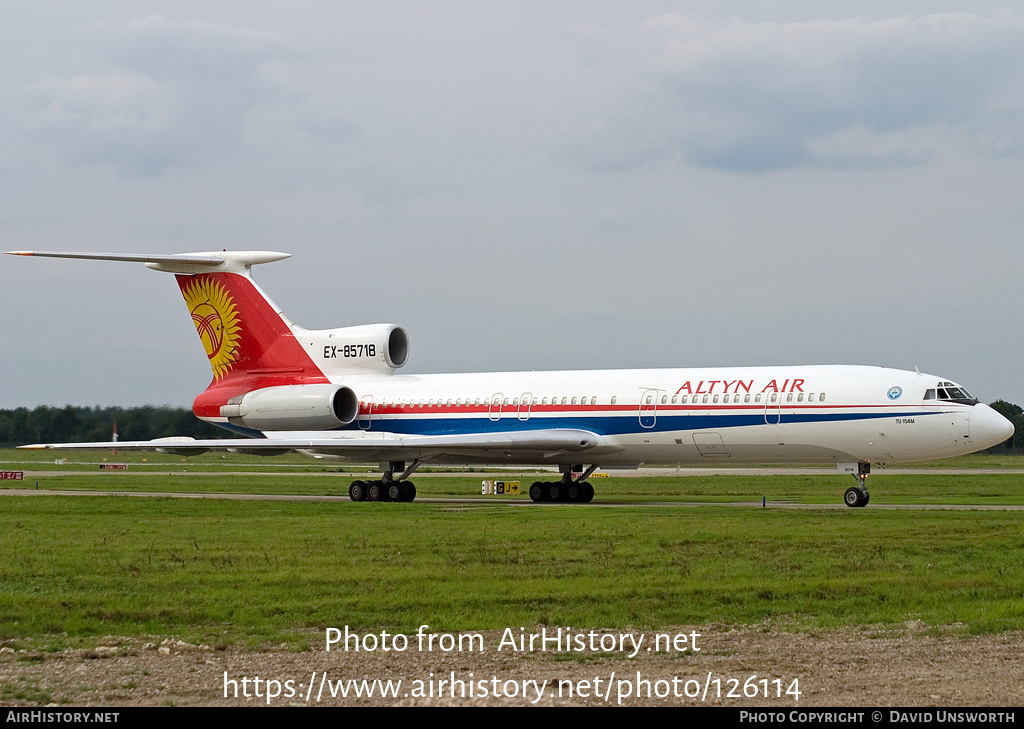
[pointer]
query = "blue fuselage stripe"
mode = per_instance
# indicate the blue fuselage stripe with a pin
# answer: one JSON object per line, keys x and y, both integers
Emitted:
{"x": 610, "y": 424}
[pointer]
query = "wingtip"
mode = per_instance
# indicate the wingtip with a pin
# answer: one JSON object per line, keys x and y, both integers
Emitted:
{"x": 19, "y": 253}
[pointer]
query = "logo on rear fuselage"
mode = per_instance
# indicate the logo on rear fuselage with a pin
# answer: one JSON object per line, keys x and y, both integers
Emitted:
{"x": 216, "y": 321}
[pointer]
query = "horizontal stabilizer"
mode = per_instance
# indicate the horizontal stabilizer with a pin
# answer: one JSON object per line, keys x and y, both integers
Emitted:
{"x": 207, "y": 259}
{"x": 235, "y": 261}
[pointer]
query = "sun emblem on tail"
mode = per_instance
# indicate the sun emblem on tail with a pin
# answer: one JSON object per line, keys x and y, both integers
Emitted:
{"x": 216, "y": 321}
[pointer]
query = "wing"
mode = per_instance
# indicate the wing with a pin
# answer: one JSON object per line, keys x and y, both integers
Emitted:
{"x": 536, "y": 446}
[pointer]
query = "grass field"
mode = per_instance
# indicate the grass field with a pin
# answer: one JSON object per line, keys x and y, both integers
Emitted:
{"x": 258, "y": 572}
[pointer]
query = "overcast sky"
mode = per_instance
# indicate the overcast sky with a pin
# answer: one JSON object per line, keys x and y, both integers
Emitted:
{"x": 522, "y": 185}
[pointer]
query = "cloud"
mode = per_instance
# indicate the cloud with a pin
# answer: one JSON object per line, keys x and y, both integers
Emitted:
{"x": 177, "y": 95}
{"x": 850, "y": 93}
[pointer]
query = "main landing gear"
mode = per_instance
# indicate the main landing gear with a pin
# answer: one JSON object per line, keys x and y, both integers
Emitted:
{"x": 388, "y": 488}
{"x": 858, "y": 495}
{"x": 578, "y": 491}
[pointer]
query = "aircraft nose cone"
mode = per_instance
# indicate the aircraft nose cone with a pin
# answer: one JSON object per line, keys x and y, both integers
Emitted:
{"x": 987, "y": 427}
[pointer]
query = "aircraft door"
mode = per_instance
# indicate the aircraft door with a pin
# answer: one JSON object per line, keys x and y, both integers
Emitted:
{"x": 366, "y": 412}
{"x": 494, "y": 411}
{"x": 959, "y": 429}
{"x": 773, "y": 408}
{"x": 524, "y": 405}
{"x": 648, "y": 408}
{"x": 710, "y": 445}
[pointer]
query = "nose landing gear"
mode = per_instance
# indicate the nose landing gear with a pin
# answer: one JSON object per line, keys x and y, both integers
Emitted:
{"x": 858, "y": 495}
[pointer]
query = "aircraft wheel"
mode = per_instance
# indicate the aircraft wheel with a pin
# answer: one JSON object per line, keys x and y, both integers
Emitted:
{"x": 376, "y": 491}
{"x": 396, "y": 491}
{"x": 537, "y": 491}
{"x": 410, "y": 491}
{"x": 867, "y": 498}
{"x": 854, "y": 497}
{"x": 574, "y": 493}
{"x": 588, "y": 492}
{"x": 357, "y": 491}
{"x": 555, "y": 491}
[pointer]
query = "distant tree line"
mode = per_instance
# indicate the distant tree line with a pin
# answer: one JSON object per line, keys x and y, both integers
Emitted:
{"x": 73, "y": 424}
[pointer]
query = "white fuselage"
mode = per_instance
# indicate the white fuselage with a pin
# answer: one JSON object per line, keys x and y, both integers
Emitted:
{"x": 802, "y": 414}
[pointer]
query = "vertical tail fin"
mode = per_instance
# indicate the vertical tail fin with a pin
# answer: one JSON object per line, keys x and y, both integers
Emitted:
{"x": 243, "y": 333}
{"x": 249, "y": 344}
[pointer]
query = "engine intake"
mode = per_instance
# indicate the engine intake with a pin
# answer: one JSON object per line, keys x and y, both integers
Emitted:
{"x": 294, "y": 407}
{"x": 370, "y": 348}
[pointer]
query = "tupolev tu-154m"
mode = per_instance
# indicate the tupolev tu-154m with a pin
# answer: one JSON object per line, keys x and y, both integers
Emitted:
{"x": 335, "y": 393}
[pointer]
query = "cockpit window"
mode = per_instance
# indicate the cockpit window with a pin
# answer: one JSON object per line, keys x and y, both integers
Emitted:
{"x": 952, "y": 392}
{"x": 929, "y": 394}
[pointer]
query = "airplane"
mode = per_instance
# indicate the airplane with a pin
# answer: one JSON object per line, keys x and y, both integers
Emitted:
{"x": 335, "y": 393}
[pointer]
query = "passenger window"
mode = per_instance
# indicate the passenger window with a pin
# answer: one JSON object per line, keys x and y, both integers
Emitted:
{"x": 715, "y": 399}
{"x": 822, "y": 397}
{"x": 574, "y": 401}
{"x": 664, "y": 399}
{"x": 705, "y": 398}
{"x": 614, "y": 398}
{"x": 746, "y": 398}
{"x": 725, "y": 398}
{"x": 593, "y": 400}
{"x": 757, "y": 397}
{"x": 789, "y": 397}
